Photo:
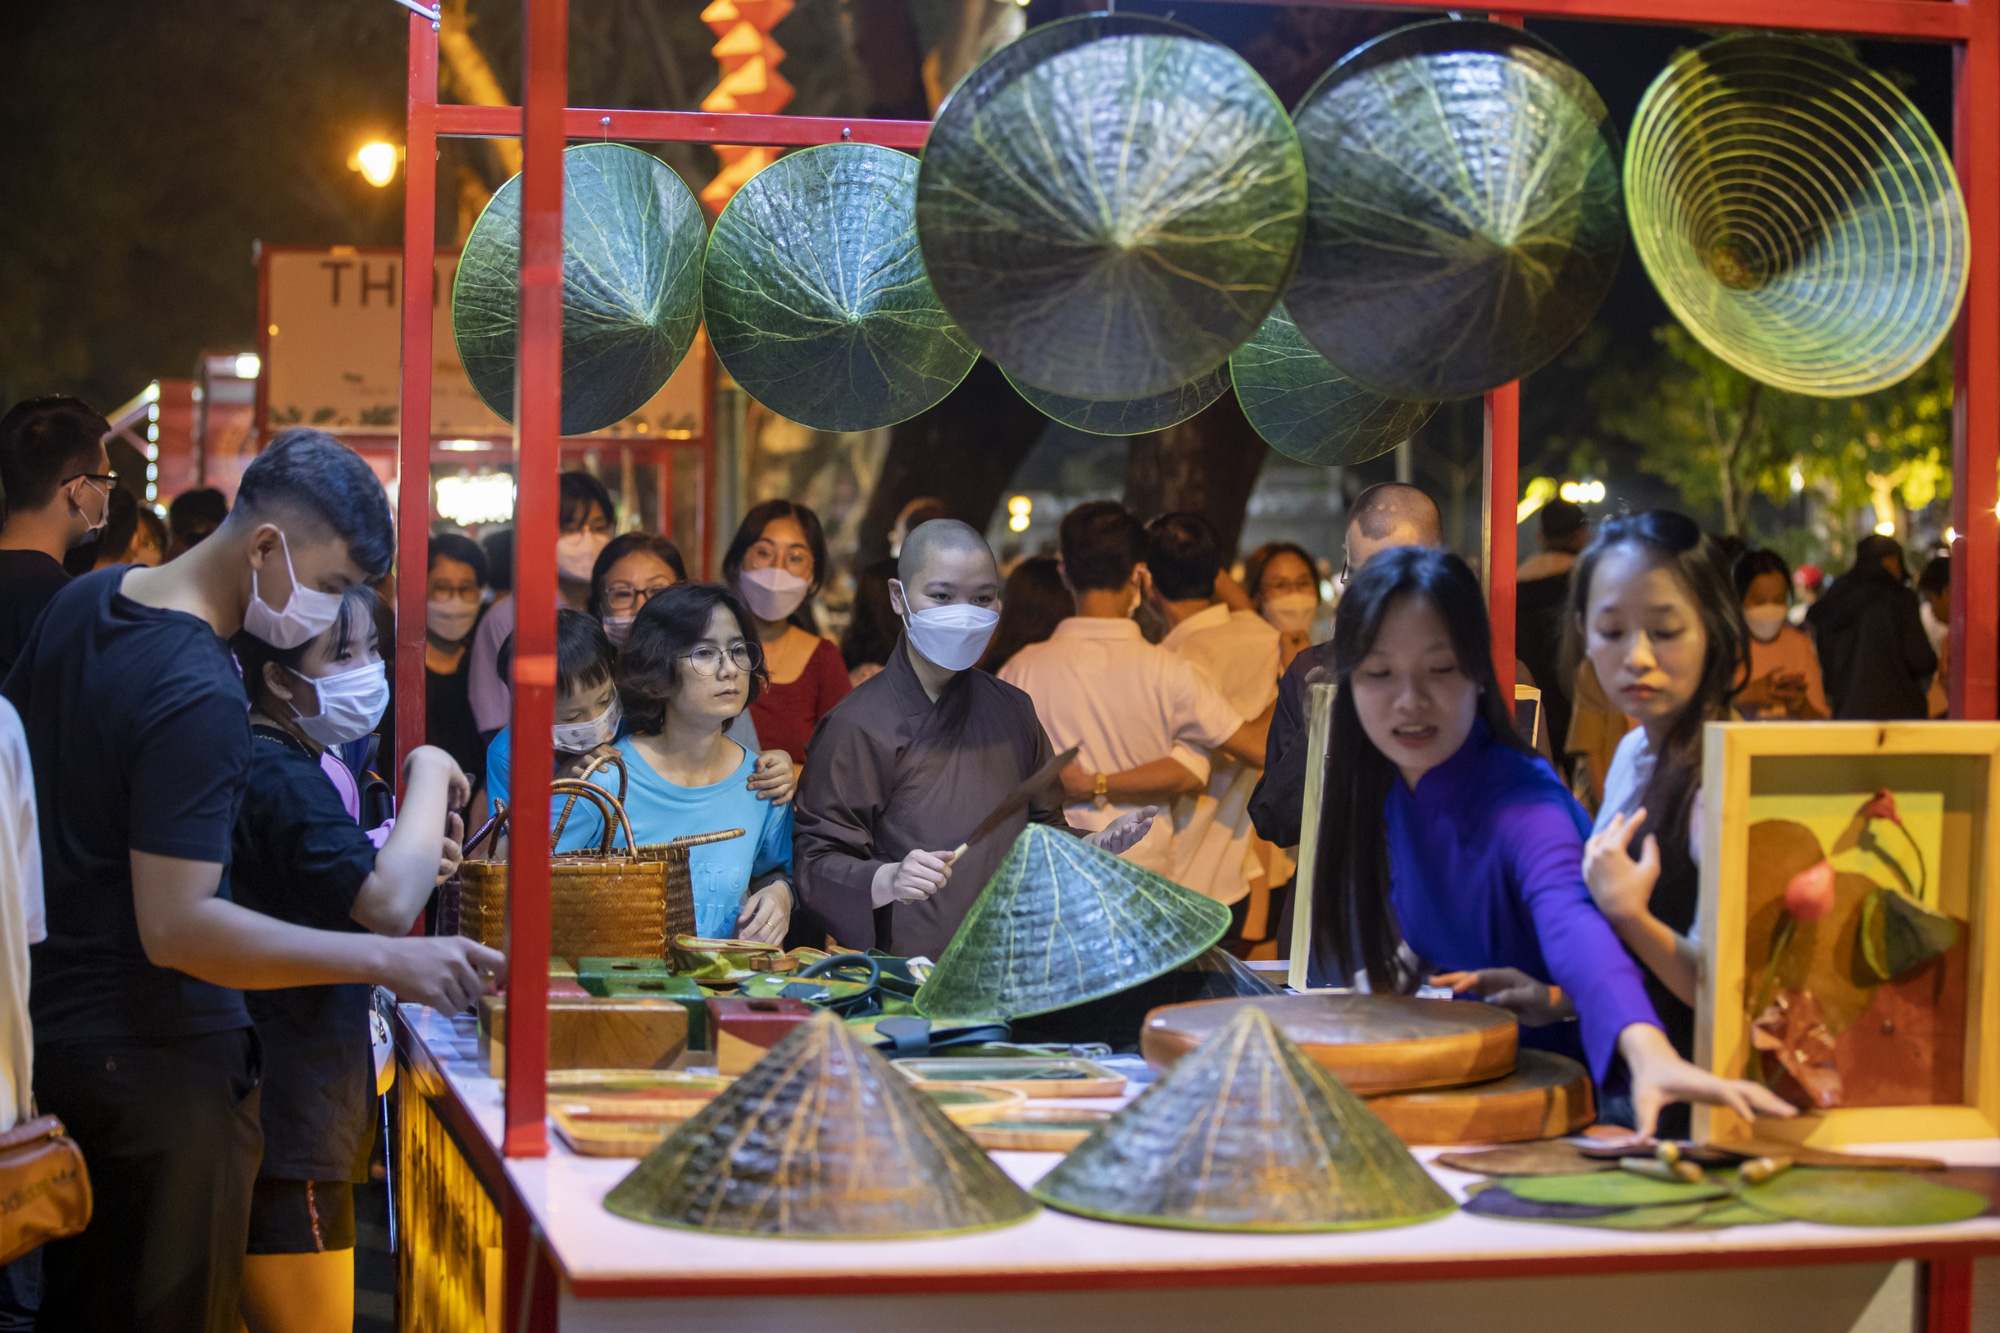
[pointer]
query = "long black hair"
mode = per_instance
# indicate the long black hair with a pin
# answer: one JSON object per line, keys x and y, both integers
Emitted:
{"x": 666, "y": 628}
{"x": 1035, "y": 602}
{"x": 1676, "y": 543}
{"x": 1352, "y": 914}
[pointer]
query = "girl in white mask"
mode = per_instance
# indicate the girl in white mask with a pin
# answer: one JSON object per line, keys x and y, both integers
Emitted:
{"x": 303, "y": 855}
{"x": 1784, "y": 676}
{"x": 584, "y": 521}
{"x": 776, "y": 561}
{"x": 1283, "y": 583}
{"x": 635, "y": 568}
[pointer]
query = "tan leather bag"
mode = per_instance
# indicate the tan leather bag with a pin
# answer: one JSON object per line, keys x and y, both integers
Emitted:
{"x": 44, "y": 1187}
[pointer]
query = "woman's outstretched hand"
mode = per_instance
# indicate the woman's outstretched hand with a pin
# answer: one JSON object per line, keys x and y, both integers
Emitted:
{"x": 774, "y": 778}
{"x": 1660, "y": 1077}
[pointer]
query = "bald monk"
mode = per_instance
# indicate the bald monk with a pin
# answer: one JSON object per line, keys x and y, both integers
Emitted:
{"x": 905, "y": 767}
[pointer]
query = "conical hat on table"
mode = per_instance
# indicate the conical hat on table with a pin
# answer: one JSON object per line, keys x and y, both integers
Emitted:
{"x": 821, "y": 1139}
{"x": 1062, "y": 922}
{"x": 1246, "y": 1134}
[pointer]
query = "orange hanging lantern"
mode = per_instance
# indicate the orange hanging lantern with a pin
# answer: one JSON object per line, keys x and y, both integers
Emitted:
{"x": 750, "y": 83}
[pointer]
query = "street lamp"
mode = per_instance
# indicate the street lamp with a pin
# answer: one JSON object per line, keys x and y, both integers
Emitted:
{"x": 376, "y": 162}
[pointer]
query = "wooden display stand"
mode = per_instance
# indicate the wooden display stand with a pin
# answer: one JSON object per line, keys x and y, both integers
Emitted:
{"x": 1808, "y": 775}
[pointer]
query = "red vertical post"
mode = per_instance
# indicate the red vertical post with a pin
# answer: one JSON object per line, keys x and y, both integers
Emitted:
{"x": 537, "y": 457}
{"x": 1503, "y": 500}
{"x": 1975, "y": 451}
{"x": 413, "y": 419}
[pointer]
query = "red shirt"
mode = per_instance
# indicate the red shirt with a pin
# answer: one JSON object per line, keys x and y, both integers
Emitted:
{"x": 786, "y": 714}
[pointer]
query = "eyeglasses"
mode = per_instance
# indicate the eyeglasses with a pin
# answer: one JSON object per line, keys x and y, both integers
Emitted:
{"x": 707, "y": 660}
{"x": 625, "y": 597}
{"x": 101, "y": 478}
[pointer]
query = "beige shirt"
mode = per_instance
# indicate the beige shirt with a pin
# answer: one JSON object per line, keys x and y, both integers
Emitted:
{"x": 22, "y": 921}
{"x": 1098, "y": 685}
{"x": 1213, "y": 847}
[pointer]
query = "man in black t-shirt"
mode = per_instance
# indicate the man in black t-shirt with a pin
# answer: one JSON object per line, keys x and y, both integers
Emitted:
{"x": 57, "y": 481}
{"x": 137, "y": 728}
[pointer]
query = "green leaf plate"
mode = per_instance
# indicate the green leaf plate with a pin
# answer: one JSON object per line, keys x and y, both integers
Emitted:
{"x": 816, "y": 297}
{"x": 632, "y": 240}
{"x": 1863, "y": 1198}
{"x": 1464, "y": 221}
{"x": 1109, "y": 218}
{"x": 1611, "y": 1189}
{"x": 1306, "y": 409}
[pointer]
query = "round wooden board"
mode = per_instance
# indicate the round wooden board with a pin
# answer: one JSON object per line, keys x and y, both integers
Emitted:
{"x": 971, "y": 1103}
{"x": 1038, "y": 1129}
{"x": 1545, "y": 1097}
{"x": 1375, "y": 1044}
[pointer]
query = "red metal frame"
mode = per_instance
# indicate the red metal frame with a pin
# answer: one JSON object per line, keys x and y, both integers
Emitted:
{"x": 1974, "y": 25}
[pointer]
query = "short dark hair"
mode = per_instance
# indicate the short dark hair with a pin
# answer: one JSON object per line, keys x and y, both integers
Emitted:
{"x": 196, "y": 513}
{"x": 1935, "y": 576}
{"x": 1562, "y": 519}
{"x": 668, "y": 626}
{"x": 1753, "y": 565}
{"x": 623, "y": 545}
{"x": 1184, "y": 555}
{"x": 1100, "y": 543}
{"x": 499, "y": 548}
{"x": 43, "y": 442}
{"x": 456, "y": 546}
{"x": 356, "y": 614}
{"x": 576, "y": 492}
{"x": 761, "y": 517}
{"x": 310, "y": 473}
{"x": 1875, "y": 548}
{"x": 584, "y": 656}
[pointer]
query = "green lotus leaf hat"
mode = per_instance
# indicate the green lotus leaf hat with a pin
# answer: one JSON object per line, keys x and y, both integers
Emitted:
{"x": 1797, "y": 214}
{"x": 821, "y": 1139}
{"x": 1464, "y": 220}
{"x": 1109, "y": 208}
{"x": 1246, "y": 1134}
{"x": 632, "y": 242}
{"x": 1306, "y": 409}
{"x": 1062, "y": 922}
{"x": 815, "y": 293}
{"x": 1132, "y": 416}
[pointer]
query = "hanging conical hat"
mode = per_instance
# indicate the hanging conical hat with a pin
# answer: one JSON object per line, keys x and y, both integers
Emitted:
{"x": 821, "y": 1138}
{"x": 1246, "y": 1134}
{"x": 1062, "y": 922}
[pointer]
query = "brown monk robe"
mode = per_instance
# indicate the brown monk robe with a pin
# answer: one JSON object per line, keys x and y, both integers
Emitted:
{"x": 894, "y": 773}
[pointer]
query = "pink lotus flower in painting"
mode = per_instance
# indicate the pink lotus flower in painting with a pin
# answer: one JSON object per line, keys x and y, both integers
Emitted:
{"x": 1882, "y": 806}
{"x": 1809, "y": 894}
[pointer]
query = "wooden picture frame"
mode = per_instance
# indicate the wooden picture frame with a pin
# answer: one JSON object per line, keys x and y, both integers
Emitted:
{"x": 1791, "y": 780}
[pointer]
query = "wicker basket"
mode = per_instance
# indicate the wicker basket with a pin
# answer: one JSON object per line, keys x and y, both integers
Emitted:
{"x": 673, "y": 854}
{"x": 602, "y": 905}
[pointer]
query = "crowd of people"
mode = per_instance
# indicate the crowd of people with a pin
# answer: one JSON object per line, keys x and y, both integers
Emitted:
{"x": 204, "y": 849}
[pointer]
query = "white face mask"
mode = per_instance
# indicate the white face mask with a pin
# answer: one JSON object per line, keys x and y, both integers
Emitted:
{"x": 618, "y": 629}
{"x": 450, "y": 618}
{"x": 953, "y": 637}
{"x": 583, "y": 737}
{"x": 1290, "y": 612}
{"x": 305, "y": 615}
{"x": 1764, "y": 621}
{"x": 1937, "y": 631}
{"x": 773, "y": 593}
{"x": 350, "y": 704}
{"x": 576, "y": 554}
{"x": 88, "y": 487}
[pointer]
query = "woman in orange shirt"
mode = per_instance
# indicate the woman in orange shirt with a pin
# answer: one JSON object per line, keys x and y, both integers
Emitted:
{"x": 1784, "y": 677}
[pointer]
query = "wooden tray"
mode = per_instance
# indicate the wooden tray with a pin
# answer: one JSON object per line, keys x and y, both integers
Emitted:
{"x": 608, "y": 1136}
{"x": 1375, "y": 1044}
{"x": 1038, "y": 1129}
{"x": 972, "y": 1103}
{"x": 1545, "y": 1097}
{"x": 1031, "y": 1076}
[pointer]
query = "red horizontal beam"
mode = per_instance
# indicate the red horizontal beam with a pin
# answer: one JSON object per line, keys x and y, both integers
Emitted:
{"x": 504, "y": 122}
{"x": 1916, "y": 20}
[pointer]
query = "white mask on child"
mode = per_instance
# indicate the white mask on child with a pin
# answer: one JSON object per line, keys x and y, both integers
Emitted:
{"x": 350, "y": 704}
{"x": 583, "y": 737}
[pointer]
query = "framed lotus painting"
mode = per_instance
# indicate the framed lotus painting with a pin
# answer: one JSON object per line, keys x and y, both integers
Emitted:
{"x": 1851, "y": 949}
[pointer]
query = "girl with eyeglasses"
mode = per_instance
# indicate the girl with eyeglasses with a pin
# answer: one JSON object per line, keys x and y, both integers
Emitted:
{"x": 632, "y": 570}
{"x": 690, "y": 666}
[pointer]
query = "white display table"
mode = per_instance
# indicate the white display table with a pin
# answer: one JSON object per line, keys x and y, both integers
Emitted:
{"x": 592, "y": 1270}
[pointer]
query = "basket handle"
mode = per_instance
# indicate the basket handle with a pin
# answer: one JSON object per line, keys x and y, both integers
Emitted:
{"x": 495, "y": 825}
{"x": 607, "y": 804}
{"x": 583, "y": 775}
